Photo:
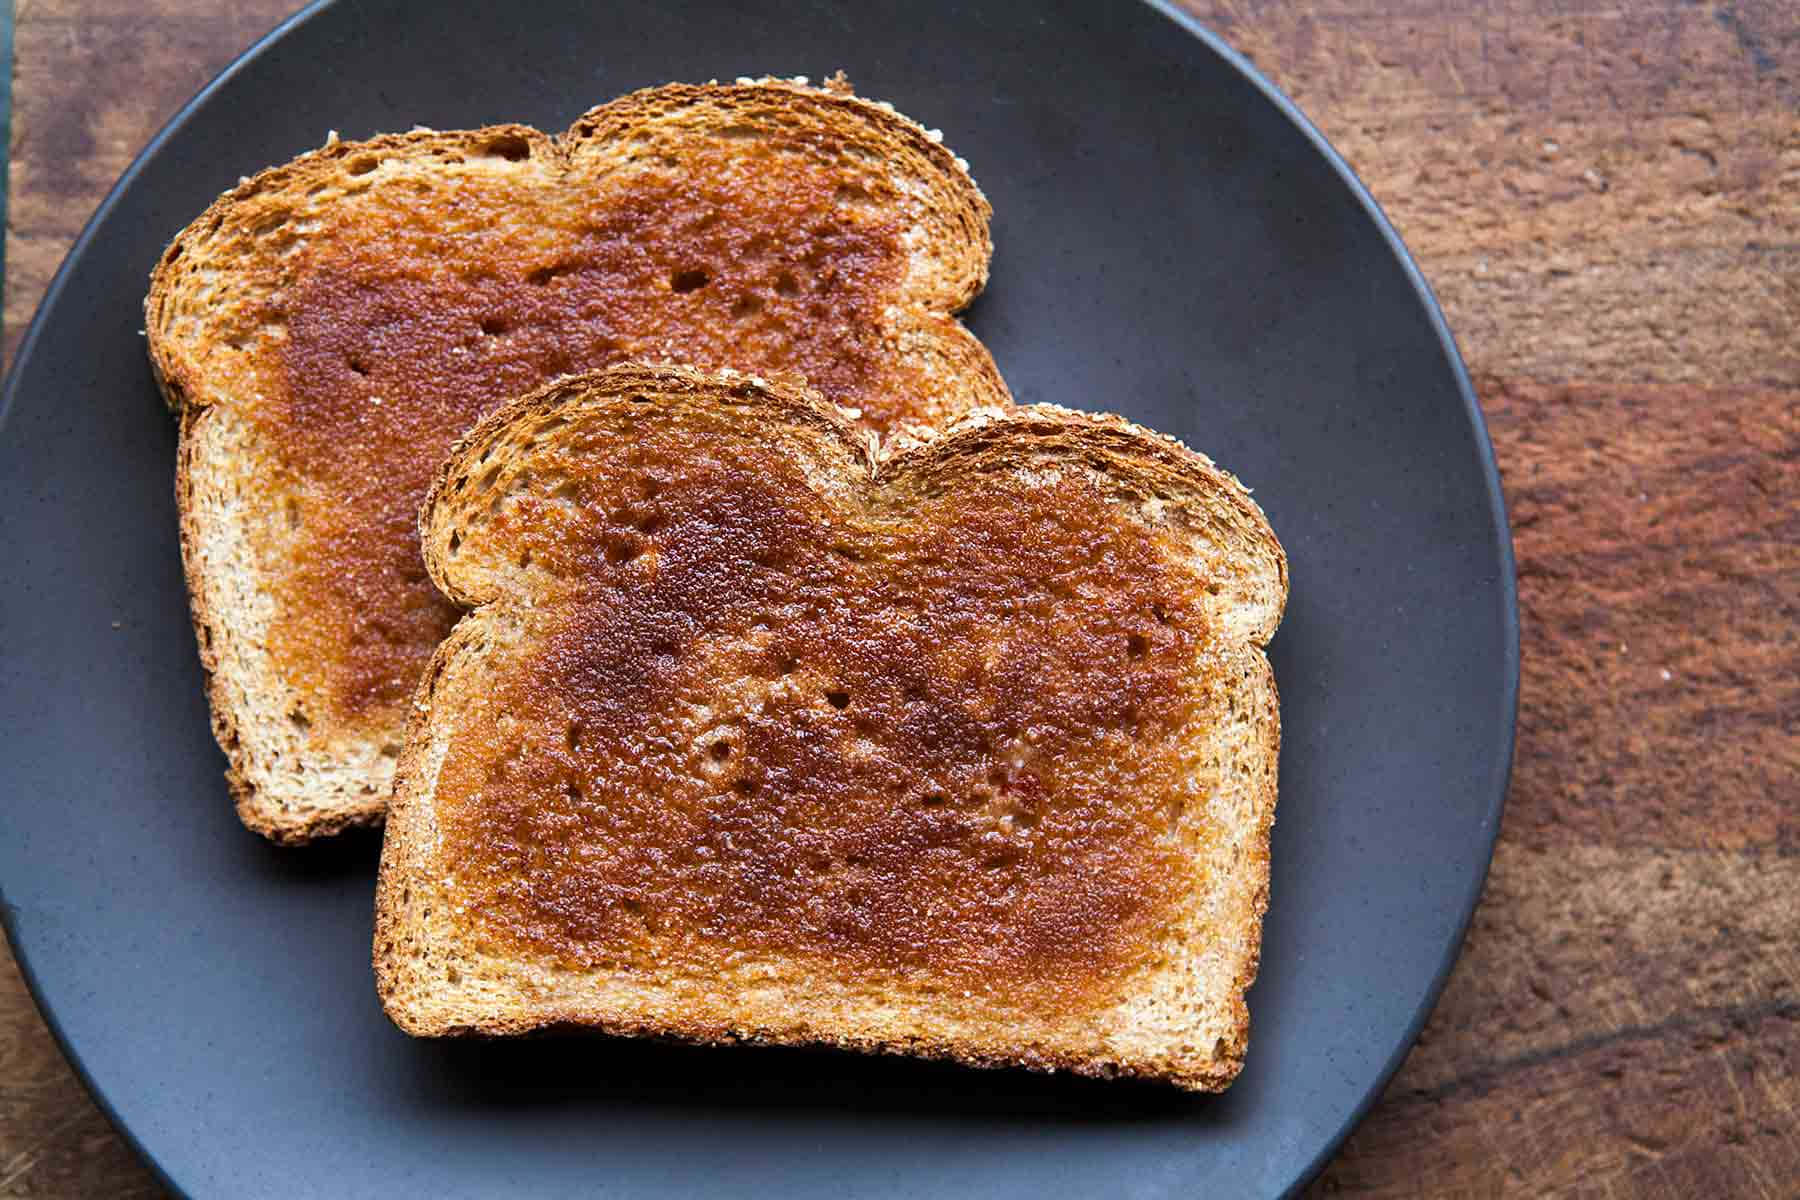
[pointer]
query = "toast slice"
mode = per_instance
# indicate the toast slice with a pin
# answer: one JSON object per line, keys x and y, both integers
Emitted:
{"x": 760, "y": 732}
{"x": 326, "y": 329}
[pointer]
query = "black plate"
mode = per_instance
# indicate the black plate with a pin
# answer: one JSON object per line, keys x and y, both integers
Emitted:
{"x": 1173, "y": 242}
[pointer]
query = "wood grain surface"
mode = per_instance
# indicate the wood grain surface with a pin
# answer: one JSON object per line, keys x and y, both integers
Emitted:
{"x": 1606, "y": 197}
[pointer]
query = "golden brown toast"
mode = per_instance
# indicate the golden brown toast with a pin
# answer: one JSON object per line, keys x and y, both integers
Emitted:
{"x": 327, "y": 328}
{"x": 760, "y": 732}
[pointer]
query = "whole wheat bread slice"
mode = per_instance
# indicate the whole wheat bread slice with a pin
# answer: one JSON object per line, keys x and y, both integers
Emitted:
{"x": 760, "y": 731}
{"x": 327, "y": 328}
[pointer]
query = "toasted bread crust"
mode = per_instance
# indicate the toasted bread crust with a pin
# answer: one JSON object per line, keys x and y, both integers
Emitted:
{"x": 296, "y": 782}
{"x": 414, "y": 942}
{"x": 340, "y": 814}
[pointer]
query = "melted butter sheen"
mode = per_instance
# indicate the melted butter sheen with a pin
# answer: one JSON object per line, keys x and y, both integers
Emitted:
{"x": 943, "y": 745}
{"x": 404, "y": 329}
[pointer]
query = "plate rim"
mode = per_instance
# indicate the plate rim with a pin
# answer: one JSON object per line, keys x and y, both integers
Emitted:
{"x": 1493, "y": 806}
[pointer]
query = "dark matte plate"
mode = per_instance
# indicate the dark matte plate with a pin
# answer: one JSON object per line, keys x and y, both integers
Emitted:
{"x": 1173, "y": 242}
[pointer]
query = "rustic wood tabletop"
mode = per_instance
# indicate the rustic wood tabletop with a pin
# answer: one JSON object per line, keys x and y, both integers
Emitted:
{"x": 1607, "y": 199}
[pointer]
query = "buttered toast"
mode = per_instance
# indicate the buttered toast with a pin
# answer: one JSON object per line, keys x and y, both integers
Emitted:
{"x": 758, "y": 731}
{"x": 326, "y": 330}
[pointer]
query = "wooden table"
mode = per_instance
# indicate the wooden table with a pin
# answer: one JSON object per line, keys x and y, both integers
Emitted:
{"x": 1606, "y": 197}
